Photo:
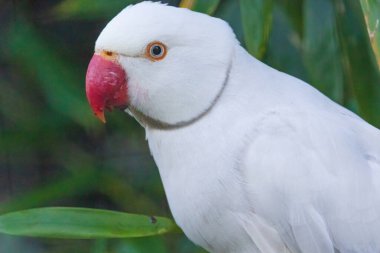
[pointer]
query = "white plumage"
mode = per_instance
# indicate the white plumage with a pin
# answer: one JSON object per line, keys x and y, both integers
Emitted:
{"x": 252, "y": 159}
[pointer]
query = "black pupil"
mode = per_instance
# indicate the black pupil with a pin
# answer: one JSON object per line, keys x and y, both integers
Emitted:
{"x": 156, "y": 50}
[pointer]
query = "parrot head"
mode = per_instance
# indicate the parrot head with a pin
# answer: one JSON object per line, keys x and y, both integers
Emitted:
{"x": 164, "y": 65}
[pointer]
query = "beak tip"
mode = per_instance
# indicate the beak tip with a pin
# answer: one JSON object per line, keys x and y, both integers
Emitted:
{"x": 100, "y": 116}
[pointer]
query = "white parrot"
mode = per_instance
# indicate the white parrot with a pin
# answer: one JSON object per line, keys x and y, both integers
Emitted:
{"x": 252, "y": 159}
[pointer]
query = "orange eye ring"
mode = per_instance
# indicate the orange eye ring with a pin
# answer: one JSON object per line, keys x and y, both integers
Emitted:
{"x": 155, "y": 51}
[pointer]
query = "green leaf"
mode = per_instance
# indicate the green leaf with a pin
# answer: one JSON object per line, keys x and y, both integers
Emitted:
{"x": 321, "y": 48}
{"x": 88, "y": 9}
{"x": 361, "y": 71}
{"x": 83, "y": 223}
{"x": 208, "y": 7}
{"x": 256, "y": 17}
{"x": 371, "y": 9}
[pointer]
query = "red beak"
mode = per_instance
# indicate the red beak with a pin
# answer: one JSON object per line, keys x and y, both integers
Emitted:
{"x": 106, "y": 85}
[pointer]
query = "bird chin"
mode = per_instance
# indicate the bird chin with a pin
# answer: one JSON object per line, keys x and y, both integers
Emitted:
{"x": 132, "y": 114}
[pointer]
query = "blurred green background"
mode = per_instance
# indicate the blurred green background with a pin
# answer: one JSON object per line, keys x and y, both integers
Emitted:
{"x": 53, "y": 152}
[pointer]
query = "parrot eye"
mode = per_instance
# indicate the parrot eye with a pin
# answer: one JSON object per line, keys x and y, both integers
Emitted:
{"x": 155, "y": 51}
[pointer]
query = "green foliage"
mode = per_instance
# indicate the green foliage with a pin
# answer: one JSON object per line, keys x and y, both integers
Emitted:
{"x": 364, "y": 82}
{"x": 65, "y": 187}
{"x": 56, "y": 76}
{"x": 54, "y": 153}
{"x": 256, "y": 17}
{"x": 371, "y": 9}
{"x": 82, "y": 223}
{"x": 88, "y": 9}
{"x": 208, "y": 7}
{"x": 320, "y": 41}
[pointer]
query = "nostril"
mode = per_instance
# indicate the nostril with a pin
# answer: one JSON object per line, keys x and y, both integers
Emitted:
{"x": 109, "y": 55}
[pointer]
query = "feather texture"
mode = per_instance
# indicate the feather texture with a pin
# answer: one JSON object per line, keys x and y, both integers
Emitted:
{"x": 279, "y": 150}
{"x": 270, "y": 165}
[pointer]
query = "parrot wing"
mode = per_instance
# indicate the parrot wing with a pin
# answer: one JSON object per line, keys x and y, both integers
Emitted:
{"x": 315, "y": 176}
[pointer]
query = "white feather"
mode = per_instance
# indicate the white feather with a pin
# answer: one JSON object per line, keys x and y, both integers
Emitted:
{"x": 274, "y": 166}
